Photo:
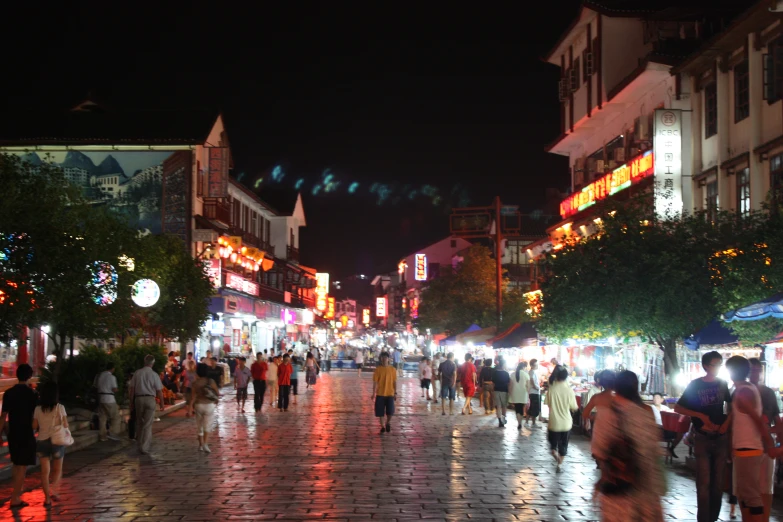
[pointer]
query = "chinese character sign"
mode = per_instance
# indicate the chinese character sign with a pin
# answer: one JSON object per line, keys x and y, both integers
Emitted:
{"x": 330, "y": 308}
{"x": 217, "y": 178}
{"x": 380, "y": 307}
{"x": 421, "y": 267}
{"x": 366, "y": 316}
{"x": 668, "y": 162}
{"x": 321, "y": 291}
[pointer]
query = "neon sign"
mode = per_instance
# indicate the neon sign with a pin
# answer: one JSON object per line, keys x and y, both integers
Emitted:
{"x": 330, "y": 308}
{"x": 321, "y": 291}
{"x": 421, "y": 267}
{"x": 415, "y": 307}
{"x": 366, "y": 316}
{"x": 619, "y": 179}
{"x": 380, "y": 307}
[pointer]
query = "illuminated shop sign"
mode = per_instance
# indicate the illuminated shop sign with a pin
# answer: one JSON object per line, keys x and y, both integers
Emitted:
{"x": 287, "y": 316}
{"x": 321, "y": 291}
{"x": 213, "y": 271}
{"x": 415, "y": 308}
{"x": 330, "y": 308}
{"x": 421, "y": 267}
{"x": 619, "y": 179}
{"x": 241, "y": 284}
{"x": 308, "y": 317}
{"x": 366, "y": 316}
{"x": 380, "y": 307}
{"x": 668, "y": 162}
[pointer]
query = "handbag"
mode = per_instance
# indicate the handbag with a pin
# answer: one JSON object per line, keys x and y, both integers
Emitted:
{"x": 620, "y": 470}
{"x": 61, "y": 436}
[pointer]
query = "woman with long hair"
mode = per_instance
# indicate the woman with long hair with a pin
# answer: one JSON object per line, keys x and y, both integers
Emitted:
{"x": 204, "y": 398}
{"x": 468, "y": 383}
{"x": 626, "y": 447}
{"x": 311, "y": 369}
{"x": 48, "y": 416}
{"x": 562, "y": 403}
{"x": 518, "y": 392}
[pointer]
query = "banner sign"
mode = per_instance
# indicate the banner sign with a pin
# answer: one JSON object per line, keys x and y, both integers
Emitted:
{"x": 217, "y": 176}
{"x": 667, "y": 144}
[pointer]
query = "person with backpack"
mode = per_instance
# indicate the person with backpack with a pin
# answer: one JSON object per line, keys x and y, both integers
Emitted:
{"x": 205, "y": 396}
{"x": 627, "y": 450}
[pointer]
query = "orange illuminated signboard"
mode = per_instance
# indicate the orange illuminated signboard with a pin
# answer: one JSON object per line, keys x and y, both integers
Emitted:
{"x": 321, "y": 291}
{"x": 366, "y": 316}
{"x": 619, "y": 179}
{"x": 330, "y": 308}
{"x": 421, "y": 267}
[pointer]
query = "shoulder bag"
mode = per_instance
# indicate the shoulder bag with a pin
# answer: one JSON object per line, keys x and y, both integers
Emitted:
{"x": 61, "y": 436}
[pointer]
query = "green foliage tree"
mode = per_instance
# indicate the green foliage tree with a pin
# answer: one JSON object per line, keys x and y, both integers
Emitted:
{"x": 458, "y": 298}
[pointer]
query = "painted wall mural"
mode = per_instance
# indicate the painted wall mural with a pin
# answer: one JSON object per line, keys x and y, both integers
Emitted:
{"x": 148, "y": 188}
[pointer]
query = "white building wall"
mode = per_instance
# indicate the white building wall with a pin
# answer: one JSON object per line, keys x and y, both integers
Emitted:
{"x": 623, "y": 45}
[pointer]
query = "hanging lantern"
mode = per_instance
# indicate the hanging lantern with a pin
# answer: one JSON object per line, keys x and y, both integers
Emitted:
{"x": 244, "y": 250}
{"x": 233, "y": 257}
{"x": 257, "y": 267}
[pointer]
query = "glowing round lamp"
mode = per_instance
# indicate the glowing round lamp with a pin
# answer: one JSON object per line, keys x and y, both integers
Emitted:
{"x": 145, "y": 292}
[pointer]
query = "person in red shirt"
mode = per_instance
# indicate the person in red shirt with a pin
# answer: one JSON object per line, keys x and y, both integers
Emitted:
{"x": 258, "y": 371}
{"x": 468, "y": 383}
{"x": 284, "y": 383}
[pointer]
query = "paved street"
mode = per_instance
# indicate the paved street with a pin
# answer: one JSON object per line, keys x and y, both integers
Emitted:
{"x": 325, "y": 459}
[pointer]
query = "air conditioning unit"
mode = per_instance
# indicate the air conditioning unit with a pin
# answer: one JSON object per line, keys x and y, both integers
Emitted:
{"x": 644, "y": 130}
{"x": 579, "y": 165}
{"x": 579, "y": 178}
{"x": 590, "y": 164}
{"x": 633, "y": 152}
{"x": 612, "y": 164}
{"x": 600, "y": 167}
{"x": 561, "y": 90}
{"x": 619, "y": 155}
{"x": 589, "y": 63}
{"x": 574, "y": 79}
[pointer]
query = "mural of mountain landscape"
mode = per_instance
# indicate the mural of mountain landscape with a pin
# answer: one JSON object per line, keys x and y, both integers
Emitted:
{"x": 130, "y": 183}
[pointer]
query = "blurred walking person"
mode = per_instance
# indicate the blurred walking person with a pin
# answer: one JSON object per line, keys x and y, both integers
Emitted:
{"x": 311, "y": 370}
{"x": 258, "y": 370}
{"x": 486, "y": 387}
{"x": 49, "y": 417}
{"x": 205, "y": 396}
{"x": 519, "y": 385}
{"x": 284, "y": 381}
{"x": 107, "y": 404}
{"x": 271, "y": 380}
{"x": 19, "y": 404}
{"x": 359, "y": 361}
{"x": 426, "y": 376}
{"x": 144, "y": 388}
{"x": 242, "y": 377}
{"x": 384, "y": 392}
{"x": 296, "y": 369}
{"x": 468, "y": 383}
{"x": 435, "y": 377}
{"x": 534, "y": 404}
{"x": 562, "y": 403}
{"x": 448, "y": 383}
{"x": 500, "y": 382}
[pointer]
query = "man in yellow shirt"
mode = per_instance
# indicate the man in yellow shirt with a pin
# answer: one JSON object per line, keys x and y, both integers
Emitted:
{"x": 384, "y": 391}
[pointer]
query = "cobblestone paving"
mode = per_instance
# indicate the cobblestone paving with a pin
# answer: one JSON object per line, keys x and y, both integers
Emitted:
{"x": 325, "y": 459}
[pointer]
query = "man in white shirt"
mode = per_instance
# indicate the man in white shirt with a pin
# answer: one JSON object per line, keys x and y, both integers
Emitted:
{"x": 107, "y": 404}
{"x": 145, "y": 386}
{"x": 436, "y": 377}
{"x": 359, "y": 360}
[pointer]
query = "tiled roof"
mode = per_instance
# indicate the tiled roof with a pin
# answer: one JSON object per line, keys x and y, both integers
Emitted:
{"x": 146, "y": 127}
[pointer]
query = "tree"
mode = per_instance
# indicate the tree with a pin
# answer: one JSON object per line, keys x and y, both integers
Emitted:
{"x": 638, "y": 276}
{"x": 458, "y": 298}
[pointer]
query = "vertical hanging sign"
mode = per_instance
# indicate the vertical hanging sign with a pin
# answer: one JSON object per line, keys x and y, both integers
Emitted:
{"x": 217, "y": 178}
{"x": 667, "y": 145}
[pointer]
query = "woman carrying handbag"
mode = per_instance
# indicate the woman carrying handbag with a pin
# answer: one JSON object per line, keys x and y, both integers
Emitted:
{"x": 51, "y": 422}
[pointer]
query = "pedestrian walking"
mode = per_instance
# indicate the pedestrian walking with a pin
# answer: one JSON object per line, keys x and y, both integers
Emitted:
{"x": 705, "y": 400}
{"x": 144, "y": 388}
{"x": 271, "y": 380}
{"x": 284, "y": 382}
{"x": 500, "y": 381}
{"x": 519, "y": 386}
{"x": 435, "y": 377}
{"x": 448, "y": 383}
{"x": 359, "y": 360}
{"x": 311, "y": 369}
{"x": 296, "y": 363}
{"x": 242, "y": 378}
{"x": 384, "y": 391}
{"x": 627, "y": 449}
{"x": 771, "y": 411}
{"x": 19, "y": 404}
{"x": 468, "y": 383}
{"x": 534, "y": 406}
{"x": 426, "y": 376}
{"x": 562, "y": 402}
{"x": 599, "y": 401}
{"x": 397, "y": 358}
{"x": 108, "y": 411}
{"x": 215, "y": 372}
{"x": 206, "y": 395}
{"x": 49, "y": 416}
{"x": 485, "y": 386}
{"x": 259, "y": 370}
{"x": 189, "y": 376}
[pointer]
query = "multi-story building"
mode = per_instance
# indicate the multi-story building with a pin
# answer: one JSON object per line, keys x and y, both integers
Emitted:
{"x": 736, "y": 81}
{"x": 168, "y": 172}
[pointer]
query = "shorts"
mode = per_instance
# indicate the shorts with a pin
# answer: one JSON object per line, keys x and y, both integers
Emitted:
{"x": 425, "y": 383}
{"x": 45, "y": 449}
{"x": 384, "y": 406}
{"x": 519, "y": 408}
{"x": 242, "y": 394}
{"x": 748, "y": 478}
{"x": 359, "y": 366}
{"x": 558, "y": 441}
{"x": 399, "y": 365}
{"x": 448, "y": 392}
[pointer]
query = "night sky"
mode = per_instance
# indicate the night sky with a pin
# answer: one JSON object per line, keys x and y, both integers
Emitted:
{"x": 411, "y": 109}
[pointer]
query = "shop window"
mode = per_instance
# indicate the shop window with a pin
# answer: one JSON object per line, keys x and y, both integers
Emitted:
{"x": 741, "y": 92}
{"x": 743, "y": 192}
{"x": 776, "y": 176}
{"x": 773, "y": 71}
{"x": 710, "y": 110}
{"x": 712, "y": 200}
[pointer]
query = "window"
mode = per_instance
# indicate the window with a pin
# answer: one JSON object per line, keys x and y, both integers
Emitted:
{"x": 741, "y": 92}
{"x": 710, "y": 110}
{"x": 267, "y": 231}
{"x": 773, "y": 71}
{"x": 712, "y": 200}
{"x": 743, "y": 192}
{"x": 576, "y": 79}
{"x": 776, "y": 176}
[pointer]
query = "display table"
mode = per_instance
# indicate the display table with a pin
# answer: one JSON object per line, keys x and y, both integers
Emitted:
{"x": 675, "y": 422}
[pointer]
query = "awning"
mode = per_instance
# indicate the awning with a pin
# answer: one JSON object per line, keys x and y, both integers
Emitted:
{"x": 713, "y": 334}
{"x": 452, "y": 340}
{"x": 477, "y": 337}
{"x": 521, "y": 334}
{"x": 770, "y": 307}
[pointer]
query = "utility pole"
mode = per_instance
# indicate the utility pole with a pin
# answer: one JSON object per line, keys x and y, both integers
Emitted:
{"x": 498, "y": 263}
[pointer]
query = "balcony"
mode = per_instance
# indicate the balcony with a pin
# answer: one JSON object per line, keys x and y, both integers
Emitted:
{"x": 217, "y": 210}
{"x": 292, "y": 254}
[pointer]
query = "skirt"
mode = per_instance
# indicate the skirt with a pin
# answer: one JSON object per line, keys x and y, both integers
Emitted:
{"x": 534, "y": 409}
{"x": 310, "y": 375}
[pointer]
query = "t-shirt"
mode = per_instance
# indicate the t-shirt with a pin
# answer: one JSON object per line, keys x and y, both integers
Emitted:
{"x": 397, "y": 357}
{"x": 535, "y": 383}
{"x": 48, "y": 420}
{"x": 216, "y": 374}
{"x": 189, "y": 378}
{"x": 19, "y": 403}
{"x": 468, "y": 371}
{"x": 258, "y": 370}
{"x": 447, "y": 371}
{"x": 359, "y": 359}
{"x": 707, "y": 398}
{"x": 485, "y": 375}
{"x": 561, "y": 401}
{"x": 769, "y": 404}
{"x": 426, "y": 371}
{"x": 501, "y": 378}
{"x": 385, "y": 376}
{"x": 657, "y": 414}
{"x": 146, "y": 382}
{"x": 271, "y": 373}
{"x": 284, "y": 374}
{"x": 106, "y": 384}
{"x": 242, "y": 376}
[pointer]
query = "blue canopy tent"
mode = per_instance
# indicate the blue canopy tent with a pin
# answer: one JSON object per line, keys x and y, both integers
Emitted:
{"x": 452, "y": 340}
{"x": 711, "y": 335}
{"x": 770, "y": 307}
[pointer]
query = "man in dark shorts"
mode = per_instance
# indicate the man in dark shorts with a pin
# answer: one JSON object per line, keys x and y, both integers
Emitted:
{"x": 18, "y": 406}
{"x": 384, "y": 391}
{"x": 448, "y": 384}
